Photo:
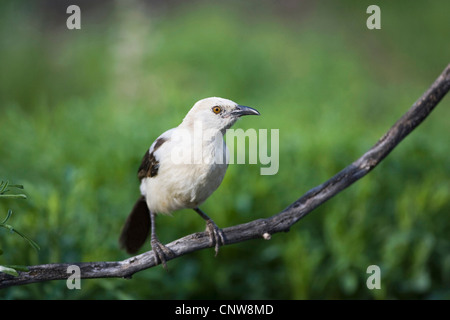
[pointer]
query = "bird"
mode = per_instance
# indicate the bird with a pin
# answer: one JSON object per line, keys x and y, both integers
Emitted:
{"x": 180, "y": 170}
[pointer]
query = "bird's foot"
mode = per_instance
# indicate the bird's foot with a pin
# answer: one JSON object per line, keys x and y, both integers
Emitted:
{"x": 161, "y": 251}
{"x": 216, "y": 235}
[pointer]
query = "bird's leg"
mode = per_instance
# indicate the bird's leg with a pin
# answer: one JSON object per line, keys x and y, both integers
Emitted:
{"x": 216, "y": 235}
{"x": 160, "y": 250}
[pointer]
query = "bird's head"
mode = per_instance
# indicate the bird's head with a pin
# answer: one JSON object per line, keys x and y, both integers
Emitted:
{"x": 217, "y": 113}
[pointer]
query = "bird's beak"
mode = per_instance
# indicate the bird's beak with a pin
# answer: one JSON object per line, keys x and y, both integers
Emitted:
{"x": 245, "y": 111}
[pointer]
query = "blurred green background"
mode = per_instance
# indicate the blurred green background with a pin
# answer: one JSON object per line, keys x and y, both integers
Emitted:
{"x": 78, "y": 108}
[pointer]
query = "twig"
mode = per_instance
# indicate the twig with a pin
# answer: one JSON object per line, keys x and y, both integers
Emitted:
{"x": 261, "y": 228}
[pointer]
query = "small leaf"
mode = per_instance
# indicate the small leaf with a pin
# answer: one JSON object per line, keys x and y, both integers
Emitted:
{"x": 7, "y": 216}
{"x": 13, "y": 196}
{"x": 18, "y": 186}
{"x": 3, "y": 186}
{"x": 17, "y": 267}
{"x": 10, "y": 271}
{"x": 31, "y": 242}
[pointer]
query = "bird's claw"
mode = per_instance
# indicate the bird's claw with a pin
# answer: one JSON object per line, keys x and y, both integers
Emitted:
{"x": 216, "y": 235}
{"x": 161, "y": 252}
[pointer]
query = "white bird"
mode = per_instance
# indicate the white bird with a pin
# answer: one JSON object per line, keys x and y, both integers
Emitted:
{"x": 182, "y": 168}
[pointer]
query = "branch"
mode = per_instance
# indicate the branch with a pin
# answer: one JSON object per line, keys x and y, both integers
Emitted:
{"x": 261, "y": 228}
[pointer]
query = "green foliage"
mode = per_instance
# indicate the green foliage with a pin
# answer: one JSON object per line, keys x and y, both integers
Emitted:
{"x": 4, "y": 189}
{"x": 82, "y": 106}
{"x": 4, "y": 185}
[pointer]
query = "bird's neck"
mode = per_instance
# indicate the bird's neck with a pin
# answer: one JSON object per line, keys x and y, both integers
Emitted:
{"x": 197, "y": 129}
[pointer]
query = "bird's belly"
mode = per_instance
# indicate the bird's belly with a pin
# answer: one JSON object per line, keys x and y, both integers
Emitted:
{"x": 183, "y": 186}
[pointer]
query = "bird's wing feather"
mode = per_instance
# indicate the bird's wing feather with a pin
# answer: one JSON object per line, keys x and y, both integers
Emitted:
{"x": 150, "y": 162}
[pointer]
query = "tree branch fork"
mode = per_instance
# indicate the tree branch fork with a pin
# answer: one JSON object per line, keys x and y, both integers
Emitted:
{"x": 260, "y": 228}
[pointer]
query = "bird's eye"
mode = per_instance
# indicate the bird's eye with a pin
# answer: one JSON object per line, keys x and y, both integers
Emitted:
{"x": 216, "y": 109}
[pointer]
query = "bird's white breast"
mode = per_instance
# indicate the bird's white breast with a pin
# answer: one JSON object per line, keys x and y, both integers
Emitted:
{"x": 182, "y": 182}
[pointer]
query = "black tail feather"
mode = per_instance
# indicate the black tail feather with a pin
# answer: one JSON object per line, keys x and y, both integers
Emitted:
{"x": 136, "y": 228}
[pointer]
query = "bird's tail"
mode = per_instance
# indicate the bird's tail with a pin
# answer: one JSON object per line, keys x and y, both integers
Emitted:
{"x": 136, "y": 228}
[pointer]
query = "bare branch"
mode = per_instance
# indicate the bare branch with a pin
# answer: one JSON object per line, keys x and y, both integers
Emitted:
{"x": 261, "y": 228}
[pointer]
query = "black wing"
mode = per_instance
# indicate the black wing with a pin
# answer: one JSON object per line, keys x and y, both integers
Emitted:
{"x": 150, "y": 165}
